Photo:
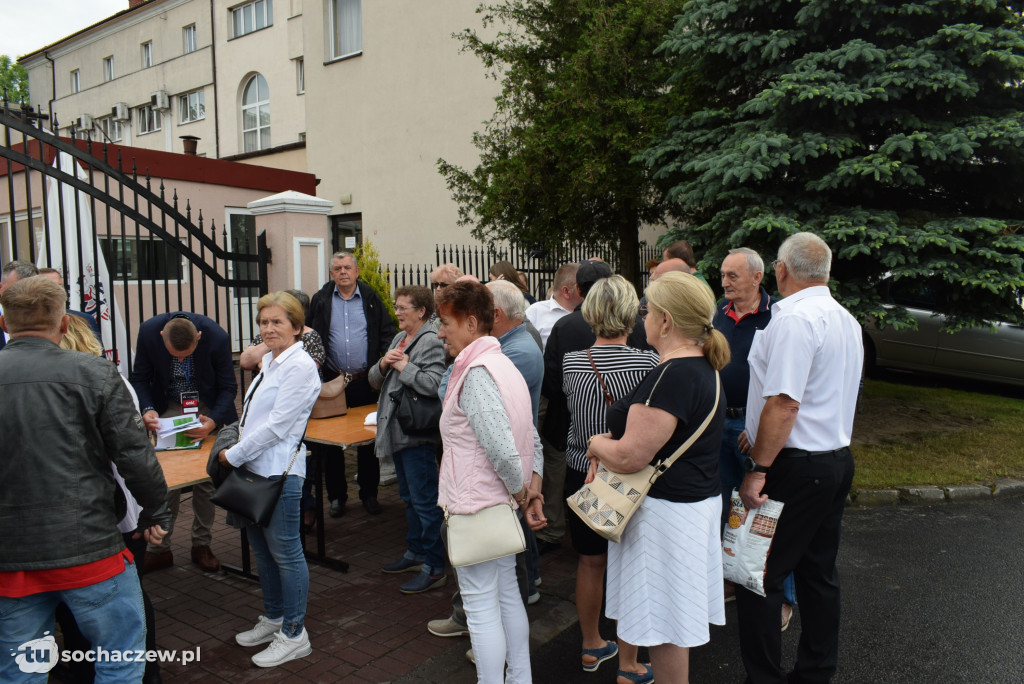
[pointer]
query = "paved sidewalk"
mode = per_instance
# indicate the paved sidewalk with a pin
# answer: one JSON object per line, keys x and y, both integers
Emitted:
{"x": 361, "y": 627}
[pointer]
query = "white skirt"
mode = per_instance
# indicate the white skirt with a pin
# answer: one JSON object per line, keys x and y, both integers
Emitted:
{"x": 665, "y": 576}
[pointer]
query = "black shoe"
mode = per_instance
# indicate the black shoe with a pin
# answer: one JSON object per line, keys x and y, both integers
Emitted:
{"x": 337, "y": 508}
{"x": 371, "y": 506}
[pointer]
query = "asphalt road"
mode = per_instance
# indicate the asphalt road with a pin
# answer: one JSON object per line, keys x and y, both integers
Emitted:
{"x": 931, "y": 595}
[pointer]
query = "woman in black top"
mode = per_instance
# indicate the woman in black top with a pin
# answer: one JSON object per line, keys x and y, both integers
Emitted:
{"x": 665, "y": 576}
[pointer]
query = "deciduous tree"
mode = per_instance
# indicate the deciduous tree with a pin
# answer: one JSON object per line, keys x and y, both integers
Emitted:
{"x": 581, "y": 94}
{"x": 13, "y": 80}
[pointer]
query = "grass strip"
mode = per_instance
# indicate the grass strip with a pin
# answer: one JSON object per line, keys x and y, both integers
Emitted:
{"x": 910, "y": 435}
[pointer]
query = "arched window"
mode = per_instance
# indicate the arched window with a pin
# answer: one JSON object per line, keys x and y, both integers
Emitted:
{"x": 256, "y": 114}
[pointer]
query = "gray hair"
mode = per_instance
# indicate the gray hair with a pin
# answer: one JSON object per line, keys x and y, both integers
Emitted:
{"x": 344, "y": 255}
{"x": 509, "y": 299}
{"x": 22, "y": 268}
{"x": 754, "y": 261}
{"x": 807, "y": 257}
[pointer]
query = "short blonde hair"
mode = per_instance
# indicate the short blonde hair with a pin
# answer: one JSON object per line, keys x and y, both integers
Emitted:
{"x": 33, "y": 304}
{"x": 690, "y": 305}
{"x": 287, "y": 301}
{"x": 610, "y": 307}
{"x": 80, "y": 337}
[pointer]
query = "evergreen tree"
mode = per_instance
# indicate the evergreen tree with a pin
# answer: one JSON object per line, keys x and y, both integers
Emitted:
{"x": 580, "y": 98}
{"x": 891, "y": 129}
{"x": 373, "y": 274}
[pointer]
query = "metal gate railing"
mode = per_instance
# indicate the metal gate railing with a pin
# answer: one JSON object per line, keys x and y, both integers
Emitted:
{"x": 126, "y": 252}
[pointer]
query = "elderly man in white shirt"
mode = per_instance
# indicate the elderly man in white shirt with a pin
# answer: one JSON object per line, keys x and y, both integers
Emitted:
{"x": 564, "y": 300}
{"x": 805, "y": 370}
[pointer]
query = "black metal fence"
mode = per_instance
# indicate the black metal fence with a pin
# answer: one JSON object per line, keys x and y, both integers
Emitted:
{"x": 125, "y": 250}
{"x": 538, "y": 266}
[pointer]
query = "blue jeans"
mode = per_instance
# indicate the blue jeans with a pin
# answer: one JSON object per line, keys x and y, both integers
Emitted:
{"x": 109, "y": 614}
{"x": 731, "y": 472}
{"x": 284, "y": 576}
{"x": 416, "y": 470}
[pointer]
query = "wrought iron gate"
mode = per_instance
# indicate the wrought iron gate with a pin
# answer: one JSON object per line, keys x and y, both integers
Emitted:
{"x": 68, "y": 204}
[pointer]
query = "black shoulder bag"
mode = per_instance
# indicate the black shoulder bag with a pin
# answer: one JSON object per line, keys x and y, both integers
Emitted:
{"x": 417, "y": 414}
{"x": 247, "y": 494}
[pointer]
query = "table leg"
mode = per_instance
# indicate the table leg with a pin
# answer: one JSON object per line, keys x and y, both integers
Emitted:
{"x": 246, "y": 569}
{"x": 320, "y": 557}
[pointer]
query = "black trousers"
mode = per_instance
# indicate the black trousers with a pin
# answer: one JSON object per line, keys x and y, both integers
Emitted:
{"x": 358, "y": 393}
{"x": 813, "y": 489}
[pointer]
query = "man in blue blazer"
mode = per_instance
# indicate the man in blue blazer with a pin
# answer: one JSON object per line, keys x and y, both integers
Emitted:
{"x": 185, "y": 354}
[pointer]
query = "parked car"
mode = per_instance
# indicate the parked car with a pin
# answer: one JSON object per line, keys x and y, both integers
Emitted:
{"x": 995, "y": 355}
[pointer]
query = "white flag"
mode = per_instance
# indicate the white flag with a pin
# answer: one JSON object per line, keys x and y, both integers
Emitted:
{"x": 88, "y": 280}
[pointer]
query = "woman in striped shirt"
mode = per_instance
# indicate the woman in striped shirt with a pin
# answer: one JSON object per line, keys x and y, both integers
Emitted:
{"x": 592, "y": 379}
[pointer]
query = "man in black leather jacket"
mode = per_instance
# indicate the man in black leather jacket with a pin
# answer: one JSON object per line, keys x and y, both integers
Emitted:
{"x": 66, "y": 417}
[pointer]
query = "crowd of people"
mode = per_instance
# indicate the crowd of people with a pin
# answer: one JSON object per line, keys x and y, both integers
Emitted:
{"x": 484, "y": 399}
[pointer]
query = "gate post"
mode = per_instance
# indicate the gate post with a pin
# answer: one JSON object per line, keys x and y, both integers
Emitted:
{"x": 296, "y": 228}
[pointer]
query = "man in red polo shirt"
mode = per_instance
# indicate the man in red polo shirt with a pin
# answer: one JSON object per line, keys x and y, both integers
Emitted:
{"x": 66, "y": 417}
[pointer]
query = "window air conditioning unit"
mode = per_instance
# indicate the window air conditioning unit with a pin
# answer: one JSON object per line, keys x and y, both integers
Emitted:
{"x": 160, "y": 100}
{"x": 119, "y": 112}
{"x": 84, "y": 123}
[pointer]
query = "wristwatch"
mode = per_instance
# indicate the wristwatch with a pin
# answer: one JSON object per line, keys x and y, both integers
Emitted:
{"x": 751, "y": 466}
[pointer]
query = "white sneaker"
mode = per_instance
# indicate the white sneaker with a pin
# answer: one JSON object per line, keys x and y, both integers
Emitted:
{"x": 282, "y": 649}
{"x": 263, "y": 632}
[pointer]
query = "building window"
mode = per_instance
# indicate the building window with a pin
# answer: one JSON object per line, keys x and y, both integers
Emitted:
{"x": 108, "y": 68}
{"x": 147, "y": 54}
{"x": 346, "y": 231}
{"x": 26, "y": 241}
{"x": 149, "y": 120}
{"x": 242, "y": 239}
{"x": 76, "y": 82}
{"x": 256, "y": 115}
{"x": 189, "y": 35}
{"x": 140, "y": 258}
{"x": 300, "y": 75}
{"x": 111, "y": 129}
{"x": 346, "y": 28}
{"x": 191, "y": 107}
{"x": 252, "y": 16}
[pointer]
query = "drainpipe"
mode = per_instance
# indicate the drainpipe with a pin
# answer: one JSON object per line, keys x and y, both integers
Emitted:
{"x": 53, "y": 88}
{"x": 216, "y": 103}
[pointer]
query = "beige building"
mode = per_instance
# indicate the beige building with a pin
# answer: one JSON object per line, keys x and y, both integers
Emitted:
{"x": 365, "y": 95}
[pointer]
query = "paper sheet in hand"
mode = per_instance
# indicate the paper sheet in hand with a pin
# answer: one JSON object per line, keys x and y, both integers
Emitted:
{"x": 171, "y": 433}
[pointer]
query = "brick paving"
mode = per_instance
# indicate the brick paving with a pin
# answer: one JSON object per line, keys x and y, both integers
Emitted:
{"x": 361, "y": 627}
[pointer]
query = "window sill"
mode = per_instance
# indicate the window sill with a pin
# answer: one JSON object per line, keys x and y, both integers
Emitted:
{"x": 186, "y": 123}
{"x": 243, "y": 35}
{"x": 343, "y": 58}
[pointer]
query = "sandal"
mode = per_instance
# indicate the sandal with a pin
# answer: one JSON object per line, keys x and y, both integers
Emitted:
{"x": 609, "y": 650}
{"x": 647, "y": 677}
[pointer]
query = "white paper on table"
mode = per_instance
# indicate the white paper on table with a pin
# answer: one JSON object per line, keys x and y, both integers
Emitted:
{"x": 175, "y": 424}
{"x": 371, "y": 419}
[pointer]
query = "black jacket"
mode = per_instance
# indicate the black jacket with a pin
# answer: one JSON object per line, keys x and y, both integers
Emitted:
{"x": 214, "y": 367}
{"x": 66, "y": 417}
{"x": 380, "y": 329}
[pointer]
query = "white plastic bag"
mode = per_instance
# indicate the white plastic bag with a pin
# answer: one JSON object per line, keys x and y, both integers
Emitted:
{"x": 747, "y": 540}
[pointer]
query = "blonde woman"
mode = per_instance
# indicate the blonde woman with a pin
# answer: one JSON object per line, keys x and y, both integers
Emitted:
{"x": 665, "y": 576}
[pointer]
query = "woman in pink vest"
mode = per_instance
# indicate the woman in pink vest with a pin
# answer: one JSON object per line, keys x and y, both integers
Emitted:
{"x": 487, "y": 431}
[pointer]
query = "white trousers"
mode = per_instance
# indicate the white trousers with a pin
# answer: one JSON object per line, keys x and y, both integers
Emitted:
{"x": 498, "y": 628}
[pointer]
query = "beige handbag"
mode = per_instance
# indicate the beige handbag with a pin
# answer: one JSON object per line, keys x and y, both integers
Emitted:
{"x": 492, "y": 533}
{"x": 607, "y": 504}
{"x": 331, "y": 401}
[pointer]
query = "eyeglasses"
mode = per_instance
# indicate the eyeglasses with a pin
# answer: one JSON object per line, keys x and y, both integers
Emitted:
{"x": 775, "y": 264}
{"x": 405, "y": 308}
{"x": 644, "y": 311}
{"x": 435, "y": 286}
